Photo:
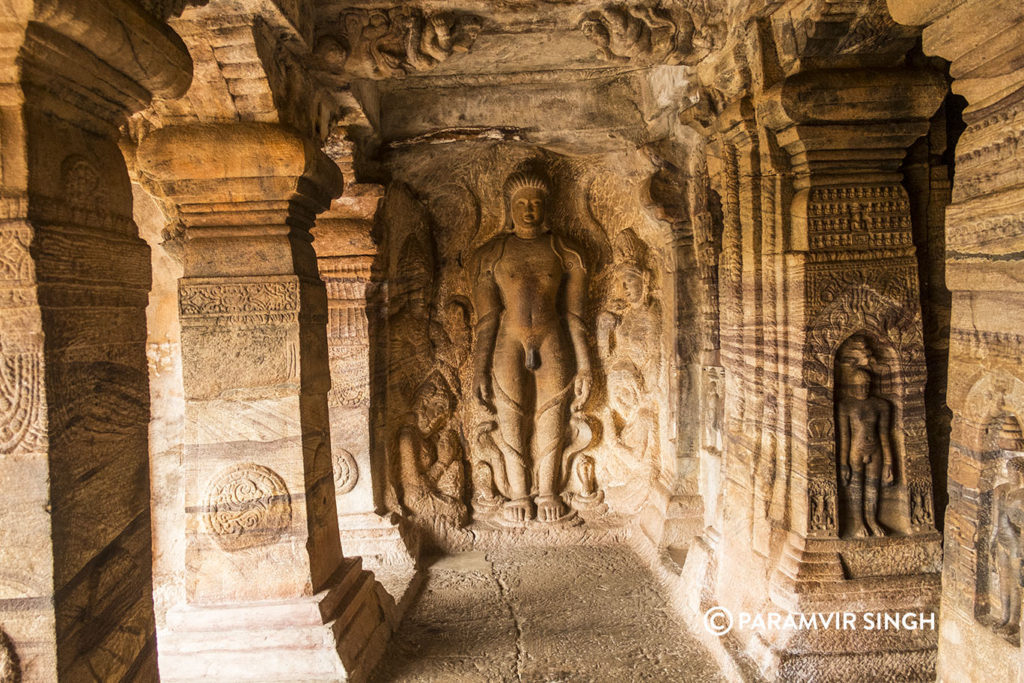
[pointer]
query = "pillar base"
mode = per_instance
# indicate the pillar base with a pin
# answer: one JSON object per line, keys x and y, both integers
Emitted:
{"x": 335, "y": 635}
{"x": 869, "y": 578}
{"x": 380, "y": 540}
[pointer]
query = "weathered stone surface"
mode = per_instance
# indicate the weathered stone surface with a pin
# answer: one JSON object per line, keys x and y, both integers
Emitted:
{"x": 736, "y": 282}
{"x": 75, "y": 545}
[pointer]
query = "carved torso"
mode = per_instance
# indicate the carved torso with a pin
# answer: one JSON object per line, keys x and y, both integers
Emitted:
{"x": 865, "y": 416}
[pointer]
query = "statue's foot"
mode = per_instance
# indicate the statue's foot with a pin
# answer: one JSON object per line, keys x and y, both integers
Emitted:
{"x": 518, "y": 511}
{"x": 860, "y": 532}
{"x": 550, "y": 508}
{"x": 876, "y": 530}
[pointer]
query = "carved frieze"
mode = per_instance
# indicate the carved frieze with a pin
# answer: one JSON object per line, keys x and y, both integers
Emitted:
{"x": 259, "y": 302}
{"x": 246, "y": 506}
{"x": 388, "y": 43}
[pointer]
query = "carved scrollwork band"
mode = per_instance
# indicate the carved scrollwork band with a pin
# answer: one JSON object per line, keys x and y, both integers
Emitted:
{"x": 238, "y": 302}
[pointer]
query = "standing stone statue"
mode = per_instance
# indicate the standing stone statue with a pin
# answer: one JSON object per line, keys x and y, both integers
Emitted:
{"x": 1007, "y": 538}
{"x": 531, "y": 362}
{"x": 865, "y": 451}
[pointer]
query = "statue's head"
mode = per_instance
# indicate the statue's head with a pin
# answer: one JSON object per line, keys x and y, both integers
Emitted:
{"x": 630, "y": 283}
{"x": 631, "y": 279}
{"x": 1013, "y": 468}
{"x": 527, "y": 195}
{"x": 859, "y": 384}
{"x": 433, "y": 402}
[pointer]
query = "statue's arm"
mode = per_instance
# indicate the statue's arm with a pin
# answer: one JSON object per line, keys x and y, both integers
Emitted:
{"x": 606, "y": 322}
{"x": 884, "y": 424}
{"x": 575, "y": 303}
{"x": 487, "y": 300}
{"x": 844, "y": 443}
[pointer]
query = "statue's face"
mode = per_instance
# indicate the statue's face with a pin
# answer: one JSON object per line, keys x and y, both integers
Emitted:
{"x": 630, "y": 286}
{"x": 528, "y": 208}
{"x": 432, "y": 410}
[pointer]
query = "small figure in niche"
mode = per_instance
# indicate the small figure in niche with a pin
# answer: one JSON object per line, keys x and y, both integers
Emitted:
{"x": 865, "y": 451}
{"x": 1007, "y": 538}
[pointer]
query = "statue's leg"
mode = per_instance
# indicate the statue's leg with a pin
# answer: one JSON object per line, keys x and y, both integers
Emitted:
{"x": 871, "y": 485}
{"x": 508, "y": 374}
{"x": 554, "y": 394}
{"x": 857, "y": 501}
{"x": 1007, "y": 587}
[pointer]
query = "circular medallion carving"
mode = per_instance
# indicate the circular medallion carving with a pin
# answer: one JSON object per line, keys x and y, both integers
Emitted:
{"x": 346, "y": 472}
{"x": 10, "y": 671}
{"x": 81, "y": 181}
{"x": 247, "y": 506}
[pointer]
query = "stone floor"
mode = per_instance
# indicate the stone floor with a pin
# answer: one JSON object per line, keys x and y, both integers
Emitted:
{"x": 543, "y": 614}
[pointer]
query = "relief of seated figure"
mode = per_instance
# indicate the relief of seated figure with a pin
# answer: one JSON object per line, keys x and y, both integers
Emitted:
{"x": 531, "y": 364}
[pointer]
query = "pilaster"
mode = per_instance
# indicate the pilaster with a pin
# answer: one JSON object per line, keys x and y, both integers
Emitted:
{"x": 852, "y": 313}
{"x": 264, "y": 567}
{"x": 979, "y": 639}
{"x": 347, "y": 256}
{"x": 75, "y": 543}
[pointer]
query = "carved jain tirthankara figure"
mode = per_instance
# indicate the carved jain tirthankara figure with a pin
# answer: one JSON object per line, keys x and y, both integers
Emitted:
{"x": 865, "y": 451}
{"x": 531, "y": 363}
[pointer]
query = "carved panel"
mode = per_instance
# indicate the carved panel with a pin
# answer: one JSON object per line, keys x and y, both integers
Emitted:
{"x": 641, "y": 34}
{"x": 22, "y": 400}
{"x": 238, "y": 303}
{"x": 821, "y": 509}
{"x": 247, "y": 506}
{"x": 384, "y": 43}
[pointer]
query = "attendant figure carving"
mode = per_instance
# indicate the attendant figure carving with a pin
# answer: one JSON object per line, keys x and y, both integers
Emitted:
{"x": 531, "y": 363}
{"x": 430, "y": 456}
{"x": 865, "y": 451}
{"x": 630, "y": 326}
{"x": 632, "y": 432}
{"x": 1007, "y": 538}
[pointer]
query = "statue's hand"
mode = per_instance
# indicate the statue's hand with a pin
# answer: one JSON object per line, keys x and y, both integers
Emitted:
{"x": 847, "y": 475}
{"x": 482, "y": 391}
{"x": 606, "y": 321}
{"x": 582, "y": 390}
{"x": 887, "y": 474}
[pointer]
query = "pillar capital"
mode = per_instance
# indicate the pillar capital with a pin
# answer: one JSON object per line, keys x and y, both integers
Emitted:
{"x": 840, "y": 125}
{"x": 241, "y": 175}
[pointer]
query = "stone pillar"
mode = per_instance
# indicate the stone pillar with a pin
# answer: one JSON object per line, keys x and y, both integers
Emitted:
{"x": 346, "y": 255}
{"x": 979, "y": 632}
{"x": 75, "y": 558}
{"x": 269, "y": 594}
{"x": 853, "y": 316}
